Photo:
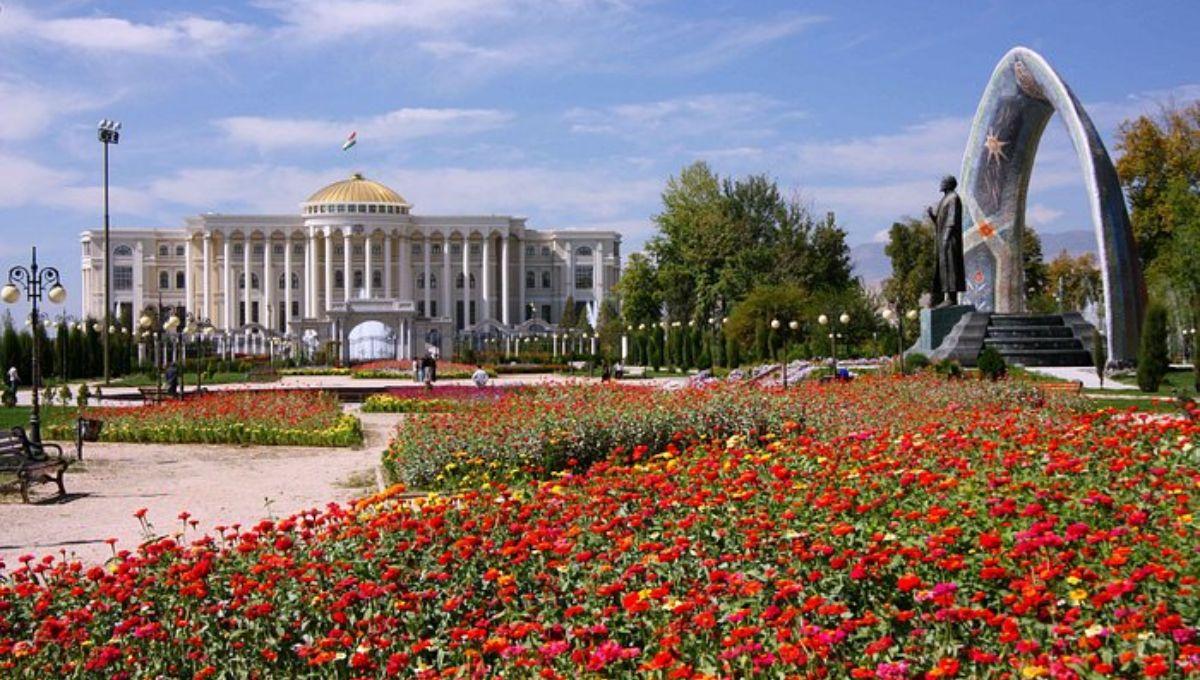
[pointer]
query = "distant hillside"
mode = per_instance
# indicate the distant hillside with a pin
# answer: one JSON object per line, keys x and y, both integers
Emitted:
{"x": 873, "y": 265}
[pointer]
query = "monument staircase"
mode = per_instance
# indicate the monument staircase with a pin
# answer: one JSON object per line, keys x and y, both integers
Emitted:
{"x": 1040, "y": 339}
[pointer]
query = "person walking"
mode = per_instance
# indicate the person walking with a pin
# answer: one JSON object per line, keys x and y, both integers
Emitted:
{"x": 12, "y": 378}
{"x": 173, "y": 380}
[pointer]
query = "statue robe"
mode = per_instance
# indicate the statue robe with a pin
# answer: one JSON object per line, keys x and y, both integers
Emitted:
{"x": 950, "y": 276}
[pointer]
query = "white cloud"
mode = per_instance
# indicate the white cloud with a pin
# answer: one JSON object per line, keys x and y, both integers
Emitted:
{"x": 724, "y": 41}
{"x": 25, "y": 182}
{"x": 930, "y": 149}
{"x": 188, "y": 34}
{"x": 393, "y": 126}
{"x": 557, "y": 197}
{"x": 745, "y": 114}
{"x": 1041, "y": 215}
{"x": 28, "y": 109}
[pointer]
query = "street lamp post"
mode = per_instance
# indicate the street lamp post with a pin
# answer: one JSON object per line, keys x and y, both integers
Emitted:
{"x": 33, "y": 280}
{"x": 824, "y": 320}
{"x": 108, "y": 132}
{"x": 197, "y": 326}
{"x": 889, "y": 315}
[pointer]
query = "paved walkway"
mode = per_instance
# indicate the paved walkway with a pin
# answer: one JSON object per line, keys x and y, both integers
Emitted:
{"x": 218, "y": 485}
{"x": 1086, "y": 375}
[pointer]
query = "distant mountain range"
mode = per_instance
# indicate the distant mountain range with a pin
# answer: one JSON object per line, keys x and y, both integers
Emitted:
{"x": 873, "y": 265}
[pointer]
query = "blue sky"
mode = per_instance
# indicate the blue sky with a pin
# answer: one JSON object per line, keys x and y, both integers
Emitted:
{"x": 569, "y": 112}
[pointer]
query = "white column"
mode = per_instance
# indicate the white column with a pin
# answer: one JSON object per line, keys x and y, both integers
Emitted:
{"x": 570, "y": 282}
{"x": 287, "y": 282}
{"x": 485, "y": 269}
{"x": 367, "y": 265}
{"x": 310, "y": 274}
{"x": 466, "y": 269}
{"x": 387, "y": 267}
{"x": 521, "y": 280}
{"x": 405, "y": 267}
{"x": 206, "y": 277}
{"x": 247, "y": 244}
{"x": 266, "y": 317}
{"x": 505, "y": 301}
{"x": 598, "y": 274}
{"x": 425, "y": 255}
{"x": 347, "y": 279}
{"x": 447, "y": 280}
{"x": 139, "y": 280}
{"x": 227, "y": 281}
{"x": 328, "y": 269}
{"x": 188, "y": 290}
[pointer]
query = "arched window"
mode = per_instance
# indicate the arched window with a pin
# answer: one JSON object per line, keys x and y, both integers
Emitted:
{"x": 358, "y": 278}
{"x": 584, "y": 251}
{"x": 295, "y": 281}
{"x": 254, "y": 280}
{"x": 122, "y": 251}
{"x": 529, "y": 279}
{"x": 164, "y": 280}
{"x": 339, "y": 279}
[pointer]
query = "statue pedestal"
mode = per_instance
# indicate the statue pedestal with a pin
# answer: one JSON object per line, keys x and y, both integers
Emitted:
{"x": 936, "y": 324}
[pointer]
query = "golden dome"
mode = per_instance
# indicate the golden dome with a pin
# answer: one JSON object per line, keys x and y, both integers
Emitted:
{"x": 357, "y": 189}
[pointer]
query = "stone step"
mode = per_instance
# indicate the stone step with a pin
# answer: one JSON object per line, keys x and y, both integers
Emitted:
{"x": 1029, "y": 332}
{"x": 1047, "y": 357}
{"x": 1026, "y": 320}
{"x": 1018, "y": 344}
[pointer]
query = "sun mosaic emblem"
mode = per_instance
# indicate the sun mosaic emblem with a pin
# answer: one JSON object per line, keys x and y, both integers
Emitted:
{"x": 995, "y": 148}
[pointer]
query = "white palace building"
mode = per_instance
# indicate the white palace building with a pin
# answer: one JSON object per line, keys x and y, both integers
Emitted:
{"x": 355, "y": 253}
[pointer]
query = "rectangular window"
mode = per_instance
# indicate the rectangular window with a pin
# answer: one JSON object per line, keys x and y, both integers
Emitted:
{"x": 353, "y": 207}
{"x": 164, "y": 250}
{"x": 238, "y": 249}
{"x": 370, "y": 208}
{"x": 545, "y": 251}
{"x": 277, "y": 249}
{"x": 455, "y": 248}
{"x": 583, "y": 277}
{"x": 474, "y": 248}
{"x": 546, "y": 312}
{"x": 122, "y": 278}
{"x": 282, "y": 316}
{"x": 241, "y": 313}
{"x": 258, "y": 249}
{"x": 420, "y": 308}
{"x": 530, "y": 250}
{"x": 376, "y": 279}
{"x": 179, "y": 251}
{"x": 339, "y": 250}
{"x": 295, "y": 308}
{"x": 180, "y": 280}
{"x": 358, "y": 250}
{"x": 298, "y": 249}
{"x": 433, "y": 308}
{"x": 546, "y": 281}
{"x": 376, "y": 250}
{"x": 416, "y": 249}
{"x": 254, "y": 311}
{"x": 437, "y": 249}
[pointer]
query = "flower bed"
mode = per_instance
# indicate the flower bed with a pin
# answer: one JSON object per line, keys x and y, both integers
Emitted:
{"x": 315, "y": 371}
{"x": 952, "y": 532}
{"x": 439, "y": 399}
{"x": 269, "y": 417}
{"x": 402, "y": 368}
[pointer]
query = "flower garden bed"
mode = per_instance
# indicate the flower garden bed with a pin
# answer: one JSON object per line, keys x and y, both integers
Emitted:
{"x": 402, "y": 368}
{"x": 954, "y": 530}
{"x": 439, "y": 399}
{"x": 267, "y": 417}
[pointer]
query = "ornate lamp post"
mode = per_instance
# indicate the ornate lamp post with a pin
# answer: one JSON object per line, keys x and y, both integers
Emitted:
{"x": 196, "y": 326}
{"x": 889, "y": 315}
{"x": 33, "y": 281}
{"x": 108, "y": 132}
{"x": 833, "y": 335}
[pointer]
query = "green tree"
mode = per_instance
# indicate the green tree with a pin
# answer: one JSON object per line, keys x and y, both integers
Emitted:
{"x": 1158, "y": 154}
{"x": 1033, "y": 267}
{"x": 749, "y": 322}
{"x": 1077, "y": 279}
{"x": 638, "y": 289}
{"x": 1153, "y": 361}
{"x": 570, "y": 316}
{"x": 912, "y": 251}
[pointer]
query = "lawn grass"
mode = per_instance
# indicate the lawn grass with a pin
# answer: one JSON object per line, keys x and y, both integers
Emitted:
{"x": 1148, "y": 404}
{"x": 189, "y": 379}
{"x": 1181, "y": 380}
{"x": 19, "y": 415}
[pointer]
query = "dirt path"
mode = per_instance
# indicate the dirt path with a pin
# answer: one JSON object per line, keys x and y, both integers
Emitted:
{"x": 218, "y": 485}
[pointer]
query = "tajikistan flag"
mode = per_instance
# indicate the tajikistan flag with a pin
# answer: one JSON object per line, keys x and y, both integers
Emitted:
{"x": 350, "y": 141}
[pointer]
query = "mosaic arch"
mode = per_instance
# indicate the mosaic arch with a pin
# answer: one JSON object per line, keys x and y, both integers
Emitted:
{"x": 1022, "y": 95}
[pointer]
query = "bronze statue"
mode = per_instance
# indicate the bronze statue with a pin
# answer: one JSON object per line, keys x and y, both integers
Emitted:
{"x": 948, "y": 277}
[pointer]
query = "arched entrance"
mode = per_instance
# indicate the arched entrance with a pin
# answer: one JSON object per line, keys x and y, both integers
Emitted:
{"x": 1022, "y": 95}
{"x": 371, "y": 340}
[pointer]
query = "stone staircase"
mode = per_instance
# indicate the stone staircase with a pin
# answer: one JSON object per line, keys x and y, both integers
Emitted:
{"x": 1039, "y": 339}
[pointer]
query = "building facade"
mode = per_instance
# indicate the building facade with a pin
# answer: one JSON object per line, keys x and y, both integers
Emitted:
{"x": 355, "y": 253}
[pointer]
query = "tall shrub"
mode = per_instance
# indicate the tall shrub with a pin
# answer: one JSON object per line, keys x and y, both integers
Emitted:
{"x": 1099, "y": 355}
{"x": 1153, "y": 360}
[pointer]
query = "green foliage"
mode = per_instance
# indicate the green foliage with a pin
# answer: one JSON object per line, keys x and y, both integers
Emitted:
{"x": 570, "y": 317}
{"x": 1033, "y": 269}
{"x": 83, "y": 396}
{"x": 913, "y": 254}
{"x": 1153, "y": 360}
{"x": 916, "y": 362}
{"x": 949, "y": 369}
{"x": 638, "y": 289}
{"x": 991, "y": 364}
{"x": 1196, "y": 361}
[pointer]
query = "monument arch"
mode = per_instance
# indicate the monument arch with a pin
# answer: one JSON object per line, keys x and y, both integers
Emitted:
{"x": 1022, "y": 95}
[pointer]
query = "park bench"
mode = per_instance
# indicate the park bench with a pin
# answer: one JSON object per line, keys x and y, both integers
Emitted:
{"x": 29, "y": 463}
{"x": 634, "y": 372}
{"x": 153, "y": 395}
{"x": 1069, "y": 387}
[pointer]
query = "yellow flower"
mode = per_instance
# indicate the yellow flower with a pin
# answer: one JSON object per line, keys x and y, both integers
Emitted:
{"x": 1078, "y": 595}
{"x": 1033, "y": 671}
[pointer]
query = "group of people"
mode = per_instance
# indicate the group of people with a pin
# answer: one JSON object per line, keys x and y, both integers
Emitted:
{"x": 425, "y": 369}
